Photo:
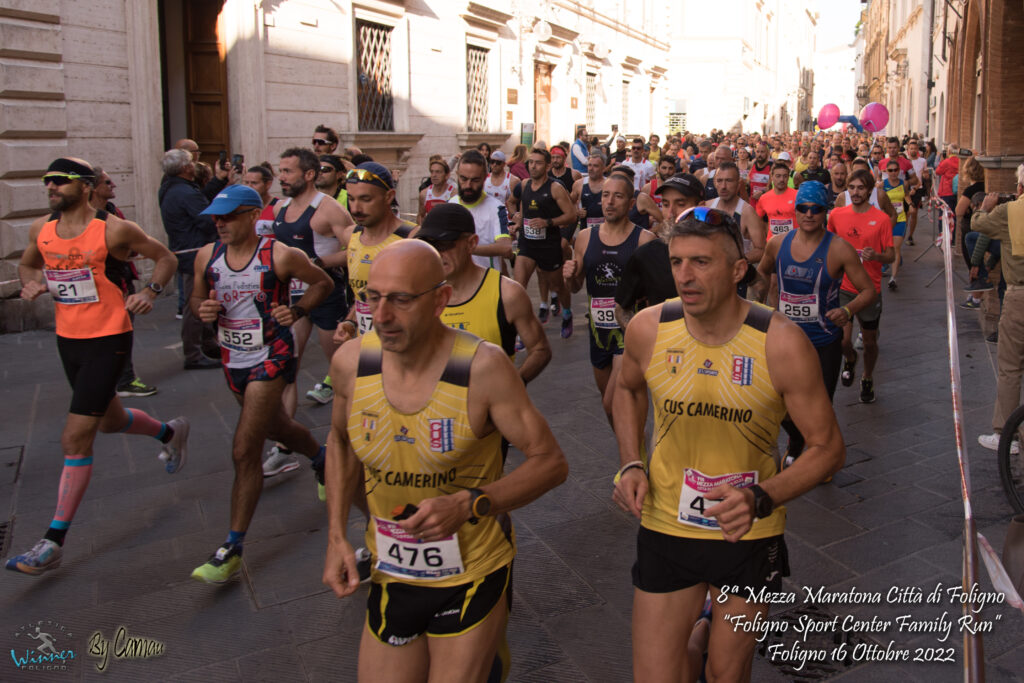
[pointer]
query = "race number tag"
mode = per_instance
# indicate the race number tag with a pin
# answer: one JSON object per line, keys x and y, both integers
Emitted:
{"x": 265, "y": 228}
{"x": 72, "y": 287}
{"x": 594, "y": 222}
{"x": 800, "y": 308}
{"x": 696, "y": 484}
{"x": 780, "y": 226}
{"x": 534, "y": 233}
{"x": 364, "y": 317}
{"x": 296, "y": 287}
{"x": 403, "y": 555}
{"x": 602, "y": 313}
{"x": 240, "y": 334}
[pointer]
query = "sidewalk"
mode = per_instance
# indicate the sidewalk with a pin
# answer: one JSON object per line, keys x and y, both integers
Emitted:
{"x": 892, "y": 517}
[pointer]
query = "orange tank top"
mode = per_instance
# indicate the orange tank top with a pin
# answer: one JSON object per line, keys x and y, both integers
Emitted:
{"x": 88, "y": 303}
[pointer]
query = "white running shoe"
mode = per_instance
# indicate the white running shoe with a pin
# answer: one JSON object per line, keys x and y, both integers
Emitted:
{"x": 174, "y": 451}
{"x": 44, "y": 556}
{"x": 991, "y": 442}
{"x": 278, "y": 463}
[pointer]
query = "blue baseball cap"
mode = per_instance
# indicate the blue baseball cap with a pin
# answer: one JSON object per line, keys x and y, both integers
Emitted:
{"x": 231, "y": 198}
{"x": 811, "y": 192}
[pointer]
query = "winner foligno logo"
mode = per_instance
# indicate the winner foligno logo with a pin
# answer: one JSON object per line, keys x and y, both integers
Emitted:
{"x": 40, "y": 647}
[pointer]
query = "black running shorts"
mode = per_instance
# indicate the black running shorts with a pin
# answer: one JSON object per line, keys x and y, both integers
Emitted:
{"x": 93, "y": 367}
{"x": 547, "y": 254}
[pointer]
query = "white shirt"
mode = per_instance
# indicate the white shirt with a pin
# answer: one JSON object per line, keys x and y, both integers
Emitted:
{"x": 643, "y": 171}
{"x": 491, "y": 219}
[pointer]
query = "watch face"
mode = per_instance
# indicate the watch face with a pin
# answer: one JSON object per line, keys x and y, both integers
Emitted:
{"x": 482, "y": 505}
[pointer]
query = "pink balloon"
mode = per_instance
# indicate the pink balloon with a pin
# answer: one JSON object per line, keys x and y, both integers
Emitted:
{"x": 874, "y": 117}
{"x": 828, "y": 116}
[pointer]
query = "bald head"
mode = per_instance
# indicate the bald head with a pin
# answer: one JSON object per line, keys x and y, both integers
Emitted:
{"x": 190, "y": 146}
{"x": 413, "y": 262}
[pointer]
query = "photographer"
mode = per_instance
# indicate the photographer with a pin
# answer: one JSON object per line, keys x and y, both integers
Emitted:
{"x": 1004, "y": 220}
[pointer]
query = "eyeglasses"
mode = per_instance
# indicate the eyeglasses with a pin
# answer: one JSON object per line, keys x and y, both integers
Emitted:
{"x": 320, "y": 141}
{"x": 893, "y": 169}
{"x": 813, "y": 209}
{"x": 638, "y": 149}
{"x": 399, "y": 300}
{"x": 719, "y": 219}
{"x": 224, "y": 218}
{"x": 364, "y": 176}
{"x": 61, "y": 179}
{"x": 327, "y": 169}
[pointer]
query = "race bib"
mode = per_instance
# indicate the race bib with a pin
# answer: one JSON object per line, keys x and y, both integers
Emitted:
{"x": 602, "y": 313}
{"x": 696, "y": 484}
{"x": 594, "y": 222}
{"x": 240, "y": 334}
{"x": 402, "y": 555}
{"x": 364, "y": 317}
{"x": 296, "y": 287}
{"x": 265, "y": 227}
{"x": 800, "y": 308}
{"x": 72, "y": 287}
{"x": 780, "y": 226}
{"x": 534, "y": 233}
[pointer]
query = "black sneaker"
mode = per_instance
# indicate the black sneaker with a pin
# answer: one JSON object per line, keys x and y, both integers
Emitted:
{"x": 979, "y": 285}
{"x": 136, "y": 388}
{"x": 542, "y": 316}
{"x": 892, "y": 284}
{"x": 846, "y": 377}
{"x": 867, "y": 390}
{"x": 556, "y": 308}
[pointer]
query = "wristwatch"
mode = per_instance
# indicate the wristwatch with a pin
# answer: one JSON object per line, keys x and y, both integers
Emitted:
{"x": 550, "y": 223}
{"x": 763, "y": 503}
{"x": 157, "y": 288}
{"x": 298, "y": 311}
{"x": 479, "y": 505}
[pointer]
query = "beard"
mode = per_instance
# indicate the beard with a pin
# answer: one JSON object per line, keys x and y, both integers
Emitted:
{"x": 294, "y": 189}
{"x": 469, "y": 195}
{"x": 63, "y": 202}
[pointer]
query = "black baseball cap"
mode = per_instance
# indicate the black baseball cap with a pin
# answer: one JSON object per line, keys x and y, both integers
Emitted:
{"x": 446, "y": 223}
{"x": 685, "y": 183}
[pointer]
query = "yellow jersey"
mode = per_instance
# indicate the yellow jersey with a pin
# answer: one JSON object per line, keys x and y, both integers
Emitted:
{"x": 716, "y": 417}
{"x": 410, "y": 457}
{"x": 484, "y": 314}
{"x": 360, "y": 258}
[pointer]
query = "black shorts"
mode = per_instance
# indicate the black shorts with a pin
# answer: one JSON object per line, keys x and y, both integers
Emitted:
{"x": 93, "y": 367}
{"x": 333, "y": 310}
{"x": 916, "y": 197}
{"x": 667, "y": 563}
{"x": 398, "y": 613}
{"x": 868, "y": 317}
{"x": 604, "y": 346}
{"x": 568, "y": 231}
{"x": 547, "y": 254}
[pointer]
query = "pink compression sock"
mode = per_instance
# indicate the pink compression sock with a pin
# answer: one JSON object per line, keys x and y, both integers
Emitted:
{"x": 142, "y": 423}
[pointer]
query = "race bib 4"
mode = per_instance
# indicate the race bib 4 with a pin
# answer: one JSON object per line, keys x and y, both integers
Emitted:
{"x": 692, "y": 501}
{"x": 402, "y": 555}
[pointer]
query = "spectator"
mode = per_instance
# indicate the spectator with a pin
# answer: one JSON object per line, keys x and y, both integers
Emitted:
{"x": 947, "y": 170}
{"x": 517, "y": 164}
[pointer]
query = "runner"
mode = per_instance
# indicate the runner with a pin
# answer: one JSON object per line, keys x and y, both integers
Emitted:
{"x": 489, "y": 215}
{"x": 484, "y": 303}
{"x": 310, "y": 220}
{"x": 586, "y": 193}
{"x": 546, "y": 208}
{"x": 73, "y": 253}
{"x": 837, "y": 182}
{"x": 443, "y": 567}
{"x": 777, "y": 207}
{"x": 896, "y": 189}
{"x": 500, "y": 182}
{"x": 261, "y": 178}
{"x": 722, "y": 374}
{"x": 810, "y": 263}
{"x": 760, "y": 178}
{"x": 242, "y": 284}
{"x": 814, "y": 170}
{"x": 559, "y": 171}
{"x": 331, "y": 179}
{"x": 879, "y": 200}
{"x": 643, "y": 169}
{"x": 666, "y": 169}
{"x": 727, "y": 180}
{"x": 869, "y": 230}
{"x": 599, "y": 257}
{"x": 923, "y": 173}
{"x": 325, "y": 140}
{"x": 440, "y": 189}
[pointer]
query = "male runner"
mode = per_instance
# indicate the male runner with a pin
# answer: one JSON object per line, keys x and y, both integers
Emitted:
{"x": 869, "y": 230}
{"x": 722, "y": 373}
{"x": 242, "y": 284}
{"x": 666, "y": 169}
{"x": 920, "y": 165}
{"x": 500, "y": 182}
{"x": 879, "y": 200}
{"x": 419, "y": 416}
{"x": 727, "y": 184}
{"x": 440, "y": 189}
{"x": 643, "y": 169}
{"x": 489, "y": 215}
{"x": 810, "y": 263}
{"x": 318, "y": 225}
{"x": 599, "y": 257}
{"x": 75, "y": 253}
{"x": 559, "y": 171}
{"x": 777, "y": 206}
{"x": 545, "y": 209}
{"x": 325, "y": 140}
{"x": 760, "y": 178}
{"x": 838, "y": 175}
{"x": 484, "y": 303}
{"x": 586, "y": 193}
{"x": 814, "y": 170}
{"x": 331, "y": 179}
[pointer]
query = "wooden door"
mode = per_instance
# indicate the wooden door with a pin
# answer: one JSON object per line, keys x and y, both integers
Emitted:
{"x": 206, "y": 82}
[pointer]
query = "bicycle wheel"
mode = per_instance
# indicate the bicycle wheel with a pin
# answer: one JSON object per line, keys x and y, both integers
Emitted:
{"x": 1011, "y": 465}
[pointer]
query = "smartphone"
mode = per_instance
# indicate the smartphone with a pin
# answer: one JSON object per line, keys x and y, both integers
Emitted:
{"x": 400, "y": 512}
{"x": 221, "y": 159}
{"x": 238, "y": 161}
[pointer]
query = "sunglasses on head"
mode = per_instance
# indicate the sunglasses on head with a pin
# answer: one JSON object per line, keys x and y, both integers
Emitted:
{"x": 361, "y": 175}
{"x": 719, "y": 219}
{"x": 320, "y": 141}
{"x": 60, "y": 179}
{"x": 813, "y": 209}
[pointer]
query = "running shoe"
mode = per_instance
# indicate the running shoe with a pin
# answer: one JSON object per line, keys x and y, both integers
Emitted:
{"x": 278, "y": 462}
{"x": 178, "y": 316}
{"x": 892, "y": 284}
{"x": 556, "y": 308}
{"x": 858, "y": 343}
{"x": 542, "y": 316}
{"x": 989, "y": 441}
{"x": 173, "y": 453}
{"x": 221, "y": 565}
{"x": 971, "y": 304}
{"x": 910, "y": 241}
{"x": 979, "y": 285}
{"x": 886, "y": 269}
{"x": 318, "y": 474}
{"x": 867, "y": 390}
{"x": 44, "y": 556}
{"x": 566, "y": 327}
{"x": 846, "y": 377}
{"x": 321, "y": 393}
{"x": 364, "y": 560}
{"x": 136, "y": 388}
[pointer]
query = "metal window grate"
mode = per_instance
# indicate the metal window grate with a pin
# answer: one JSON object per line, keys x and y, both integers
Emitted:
{"x": 476, "y": 88}
{"x": 376, "y": 104}
{"x": 591, "y": 101}
{"x": 624, "y": 126}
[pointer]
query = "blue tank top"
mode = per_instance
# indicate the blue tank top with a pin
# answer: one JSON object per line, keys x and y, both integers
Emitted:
{"x": 641, "y": 219}
{"x": 591, "y": 202}
{"x": 807, "y": 291}
{"x": 300, "y": 234}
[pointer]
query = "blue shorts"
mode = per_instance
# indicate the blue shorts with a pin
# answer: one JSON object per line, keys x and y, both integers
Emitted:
{"x": 900, "y": 229}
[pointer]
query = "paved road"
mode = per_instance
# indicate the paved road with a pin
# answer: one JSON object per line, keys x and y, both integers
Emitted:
{"x": 892, "y": 517}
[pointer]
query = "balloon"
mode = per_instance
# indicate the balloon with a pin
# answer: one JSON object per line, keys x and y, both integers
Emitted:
{"x": 852, "y": 120}
{"x": 828, "y": 116}
{"x": 874, "y": 117}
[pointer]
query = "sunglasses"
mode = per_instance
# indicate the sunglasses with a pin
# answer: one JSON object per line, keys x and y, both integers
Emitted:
{"x": 813, "y": 209}
{"x": 893, "y": 169}
{"x": 361, "y": 175}
{"x": 399, "y": 300}
{"x": 61, "y": 179}
{"x": 442, "y": 245}
{"x": 327, "y": 169}
{"x": 719, "y": 219}
{"x": 320, "y": 141}
{"x": 638, "y": 149}
{"x": 224, "y": 218}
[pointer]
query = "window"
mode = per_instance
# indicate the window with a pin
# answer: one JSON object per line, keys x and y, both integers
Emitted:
{"x": 591, "y": 101}
{"x": 476, "y": 88}
{"x": 624, "y": 125}
{"x": 373, "y": 90}
{"x": 676, "y": 123}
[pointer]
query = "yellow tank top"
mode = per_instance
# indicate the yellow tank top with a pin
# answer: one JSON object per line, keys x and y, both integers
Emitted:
{"x": 484, "y": 314}
{"x": 433, "y": 452}
{"x": 896, "y": 196}
{"x": 716, "y": 417}
{"x": 360, "y": 258}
